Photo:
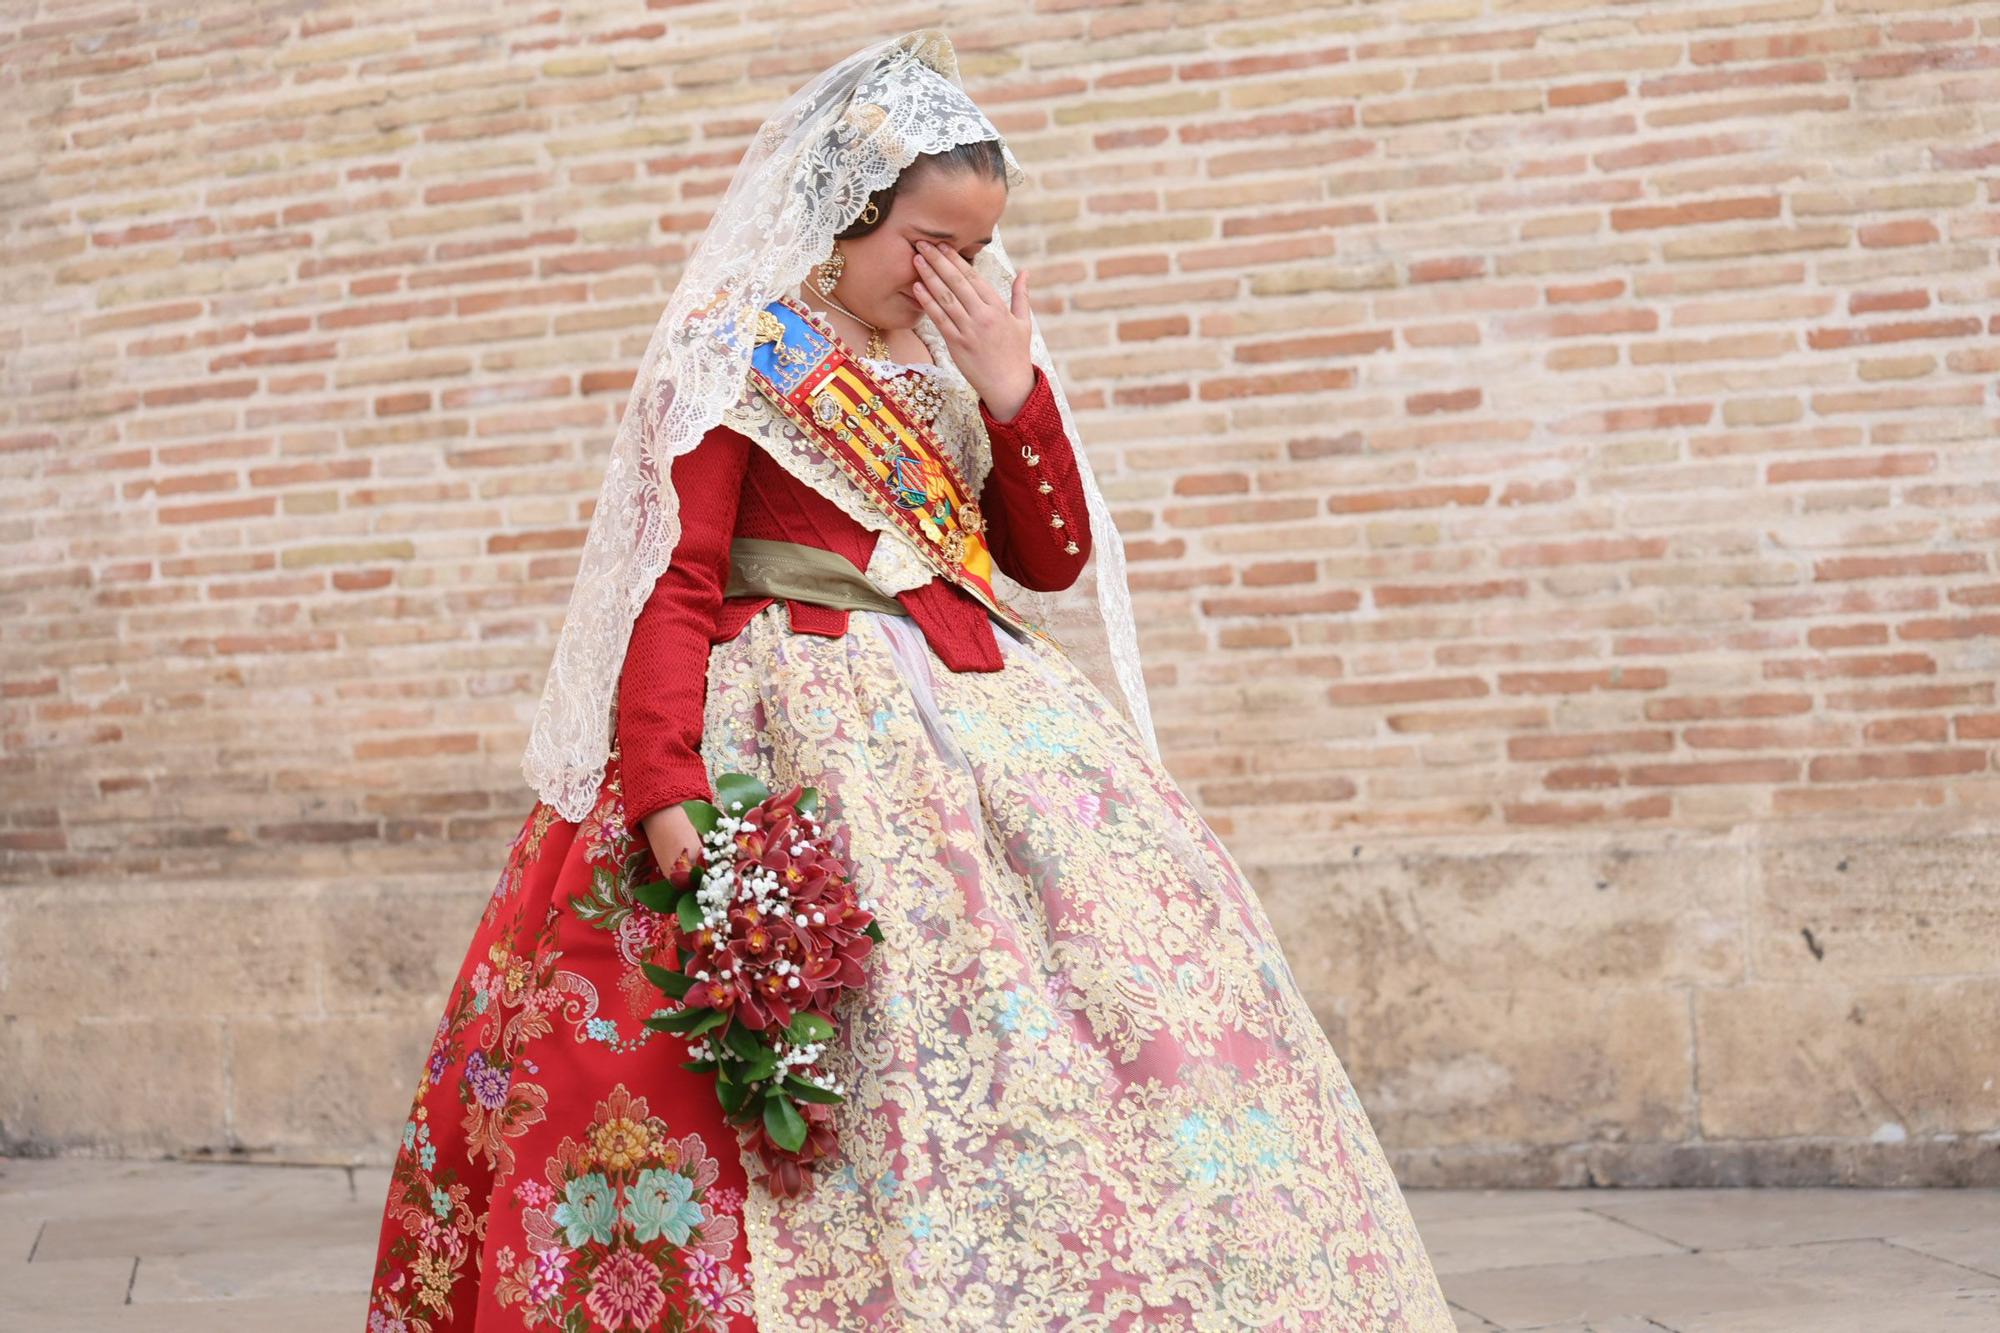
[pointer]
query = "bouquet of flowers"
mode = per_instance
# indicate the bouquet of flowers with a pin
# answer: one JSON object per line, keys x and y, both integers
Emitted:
{"x": 770, "y": 934}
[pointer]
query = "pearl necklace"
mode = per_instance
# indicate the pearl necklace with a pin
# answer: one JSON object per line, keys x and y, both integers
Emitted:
{"x": 878, "y": 346}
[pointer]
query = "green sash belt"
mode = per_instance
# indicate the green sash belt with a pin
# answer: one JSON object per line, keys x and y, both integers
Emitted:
{"x": 762, "y": 568}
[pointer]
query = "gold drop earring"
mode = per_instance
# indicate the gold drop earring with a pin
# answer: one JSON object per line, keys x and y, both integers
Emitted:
{"x": 827, "y": 277}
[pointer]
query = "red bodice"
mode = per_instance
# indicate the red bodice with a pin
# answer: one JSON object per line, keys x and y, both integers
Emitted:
{"x": 729, "y": 487}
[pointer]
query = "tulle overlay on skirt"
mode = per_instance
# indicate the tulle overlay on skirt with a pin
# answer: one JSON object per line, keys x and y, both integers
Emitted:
{"x": 1083, "y": 1089}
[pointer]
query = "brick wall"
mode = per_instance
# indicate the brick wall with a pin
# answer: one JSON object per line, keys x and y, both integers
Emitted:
{"x": 1555, "y": 446}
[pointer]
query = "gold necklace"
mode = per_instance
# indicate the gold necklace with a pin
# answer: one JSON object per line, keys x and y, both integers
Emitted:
{"x": 878, "y": 346}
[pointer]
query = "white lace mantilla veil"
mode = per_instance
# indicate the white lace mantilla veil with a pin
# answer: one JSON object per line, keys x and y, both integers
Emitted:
{"x": 804, "y": 178}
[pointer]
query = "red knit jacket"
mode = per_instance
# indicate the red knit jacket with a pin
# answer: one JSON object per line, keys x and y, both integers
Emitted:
{"x": 729, "y": 487}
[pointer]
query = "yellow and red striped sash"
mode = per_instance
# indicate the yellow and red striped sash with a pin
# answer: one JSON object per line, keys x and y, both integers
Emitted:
{"x": 813, "y": 379}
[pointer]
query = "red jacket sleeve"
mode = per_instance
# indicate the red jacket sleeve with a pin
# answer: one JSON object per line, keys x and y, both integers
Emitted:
{"x": 1033, "y": 499}
{"x": 663, "y": 687}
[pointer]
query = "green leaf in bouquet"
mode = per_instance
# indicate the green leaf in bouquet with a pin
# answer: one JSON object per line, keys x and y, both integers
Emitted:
{"x": 808, "y": 1027}
{"x": 810, "y": 1092}
{"x": 872, "y": 931}
{"x": 732, "y": 1096}
{"x": 783, "y": 1122}
{"x": 761, "y": 1068}
{"x": 698, "y": 1066}
{"x": 808, "y": 801}
{"x": 676, "y": 984}
{"x": 688, "y": 1022}
{"x": 702, "y": 815}
{"x": 733, "y": 787}
{"x": 743, "y": 1042}
{"x": 658, "y": 895}
{"x": 689, "y": 912}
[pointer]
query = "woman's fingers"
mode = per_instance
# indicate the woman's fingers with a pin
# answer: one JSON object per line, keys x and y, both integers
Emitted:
{"x": 956, "y": 275}
{"x": 946, "y": 325}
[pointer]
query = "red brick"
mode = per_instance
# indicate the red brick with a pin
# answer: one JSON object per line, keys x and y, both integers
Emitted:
{"x": 1687, "y": 215}
{"x": 1591, "y": 550}
{"x": 1855, "y": 468}
{"x": 1873, "y": 335}
{"x": 417, "y": 747}
{"x": 1331, "y": 602}
{"x": 1458, "y": 400}
{"x": 1962, "y": 627}
{"x": 1579, "y": 682}
{"x": 1419, "y": 497}
{"x": 1894, "y": 765}
{"x": 1847, "y": 636}
{"x": 1409, "y": 691}
{"x": 221, "y": 511}
{"x": 1977, "y": 726}
{"x": 1276, "y": 572}
{"x": 1583, "y": 778}
{"x": 1657, "y": 806}
{"x": 1721, "y": 772}
{"x": 1582, "y": 745}
{"x": 1907, "y": 731}
{"x": 1212, "y": 483}
{"x": 1903, "y": 231}
{"x": 1447, "y": 270}
{"x": 1393, "y": 595}
{"x": 1223, "y": 388}
{"x": 1874, "y": 664}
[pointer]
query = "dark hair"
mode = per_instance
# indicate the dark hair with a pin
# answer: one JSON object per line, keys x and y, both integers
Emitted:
{"x": 981, "y": 155}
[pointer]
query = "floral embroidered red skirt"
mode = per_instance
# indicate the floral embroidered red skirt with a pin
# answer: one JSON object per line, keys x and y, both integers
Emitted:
{"x": 559, "y": 1169}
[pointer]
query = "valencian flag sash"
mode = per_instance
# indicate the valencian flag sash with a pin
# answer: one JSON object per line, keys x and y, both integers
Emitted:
{"x": 823, "y": 389}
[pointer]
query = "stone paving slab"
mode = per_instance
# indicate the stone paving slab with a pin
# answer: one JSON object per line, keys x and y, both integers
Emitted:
{"x": 100, "y": 1246}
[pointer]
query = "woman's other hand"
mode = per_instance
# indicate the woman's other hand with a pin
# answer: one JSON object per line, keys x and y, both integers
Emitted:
{"x": 669, "y": 832}
{"x": 988, "y": 338}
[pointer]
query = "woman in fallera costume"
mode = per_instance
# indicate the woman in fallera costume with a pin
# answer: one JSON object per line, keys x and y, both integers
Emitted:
{"x": 845, "y": 506}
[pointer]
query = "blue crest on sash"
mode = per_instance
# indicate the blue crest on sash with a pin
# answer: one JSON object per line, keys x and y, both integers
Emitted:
{"x": 804, "y": 347}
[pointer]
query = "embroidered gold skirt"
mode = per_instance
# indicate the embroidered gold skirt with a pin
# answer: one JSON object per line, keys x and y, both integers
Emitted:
{"x": 1084, "y": 1091}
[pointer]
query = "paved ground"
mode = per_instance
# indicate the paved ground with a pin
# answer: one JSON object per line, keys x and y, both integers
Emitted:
{"x": 193, "y": 1248}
